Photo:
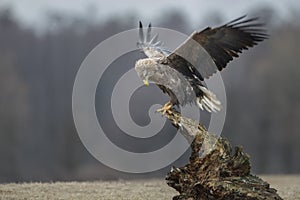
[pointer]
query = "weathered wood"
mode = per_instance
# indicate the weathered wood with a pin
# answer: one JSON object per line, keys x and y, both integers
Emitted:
{"x": 215, "y": 171}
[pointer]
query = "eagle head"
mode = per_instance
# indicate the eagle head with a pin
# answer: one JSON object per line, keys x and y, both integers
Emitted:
{"x": 147, "y": 69}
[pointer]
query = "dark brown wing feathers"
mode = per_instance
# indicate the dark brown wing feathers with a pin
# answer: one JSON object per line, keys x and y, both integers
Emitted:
{"x": 222, "y": 44}
{"x": 225, "y": 42}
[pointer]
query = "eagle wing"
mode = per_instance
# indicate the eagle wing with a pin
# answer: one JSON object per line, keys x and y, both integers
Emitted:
{"x": 209, "y": 50}
{"x": 151, "y": 46}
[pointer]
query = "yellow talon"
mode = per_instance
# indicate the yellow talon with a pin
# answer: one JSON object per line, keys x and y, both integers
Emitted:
{"x": 165, "y": 108}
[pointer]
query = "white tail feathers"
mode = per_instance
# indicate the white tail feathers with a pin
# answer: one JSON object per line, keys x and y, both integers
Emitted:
{"x": 208, "y": 101}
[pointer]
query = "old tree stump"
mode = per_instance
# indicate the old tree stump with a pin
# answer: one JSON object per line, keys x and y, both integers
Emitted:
{"x": 215, "y": 171}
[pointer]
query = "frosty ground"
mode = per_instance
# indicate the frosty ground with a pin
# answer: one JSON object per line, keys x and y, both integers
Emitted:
{"x": 288, "y": 187}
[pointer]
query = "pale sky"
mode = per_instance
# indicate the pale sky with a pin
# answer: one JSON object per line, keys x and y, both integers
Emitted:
{"x": 32, "y": 12}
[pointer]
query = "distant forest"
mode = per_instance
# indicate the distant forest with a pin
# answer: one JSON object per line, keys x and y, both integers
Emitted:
{"x": 38, "y": 140}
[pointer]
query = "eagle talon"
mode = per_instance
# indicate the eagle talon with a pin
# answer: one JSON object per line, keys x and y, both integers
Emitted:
{"x": 165, "y": 109}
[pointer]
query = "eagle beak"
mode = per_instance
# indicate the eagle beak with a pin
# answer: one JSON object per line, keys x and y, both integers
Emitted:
{"x": 146, "y": 82}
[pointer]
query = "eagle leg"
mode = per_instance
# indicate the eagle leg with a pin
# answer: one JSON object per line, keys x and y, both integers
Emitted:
{"x": 166, "y": 108}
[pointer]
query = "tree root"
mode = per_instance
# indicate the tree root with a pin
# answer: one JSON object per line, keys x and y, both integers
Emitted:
{"x": 215, "y": 171}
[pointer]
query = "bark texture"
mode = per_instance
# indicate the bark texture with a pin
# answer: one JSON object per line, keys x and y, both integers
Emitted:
{"x": 215, "y": 171}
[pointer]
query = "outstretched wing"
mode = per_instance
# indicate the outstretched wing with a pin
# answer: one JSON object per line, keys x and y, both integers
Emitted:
{"x": 151, "y": 46}
{"x": 209, "y": 50}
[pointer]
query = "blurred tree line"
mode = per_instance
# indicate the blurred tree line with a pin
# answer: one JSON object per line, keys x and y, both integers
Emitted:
{"x": 38, "y": 140}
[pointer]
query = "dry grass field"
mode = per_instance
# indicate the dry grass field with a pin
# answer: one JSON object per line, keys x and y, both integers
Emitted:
{"x": 288, "y": 187}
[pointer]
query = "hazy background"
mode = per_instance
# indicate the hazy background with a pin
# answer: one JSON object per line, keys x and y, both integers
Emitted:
{"x": 42, "y": 44}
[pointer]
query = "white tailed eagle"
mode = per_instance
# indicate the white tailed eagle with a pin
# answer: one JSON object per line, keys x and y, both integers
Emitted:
{"x": 180, "y": 73}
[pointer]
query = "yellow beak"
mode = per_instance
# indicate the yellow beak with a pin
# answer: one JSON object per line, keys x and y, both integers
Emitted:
{"x": 146, "y": 82}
